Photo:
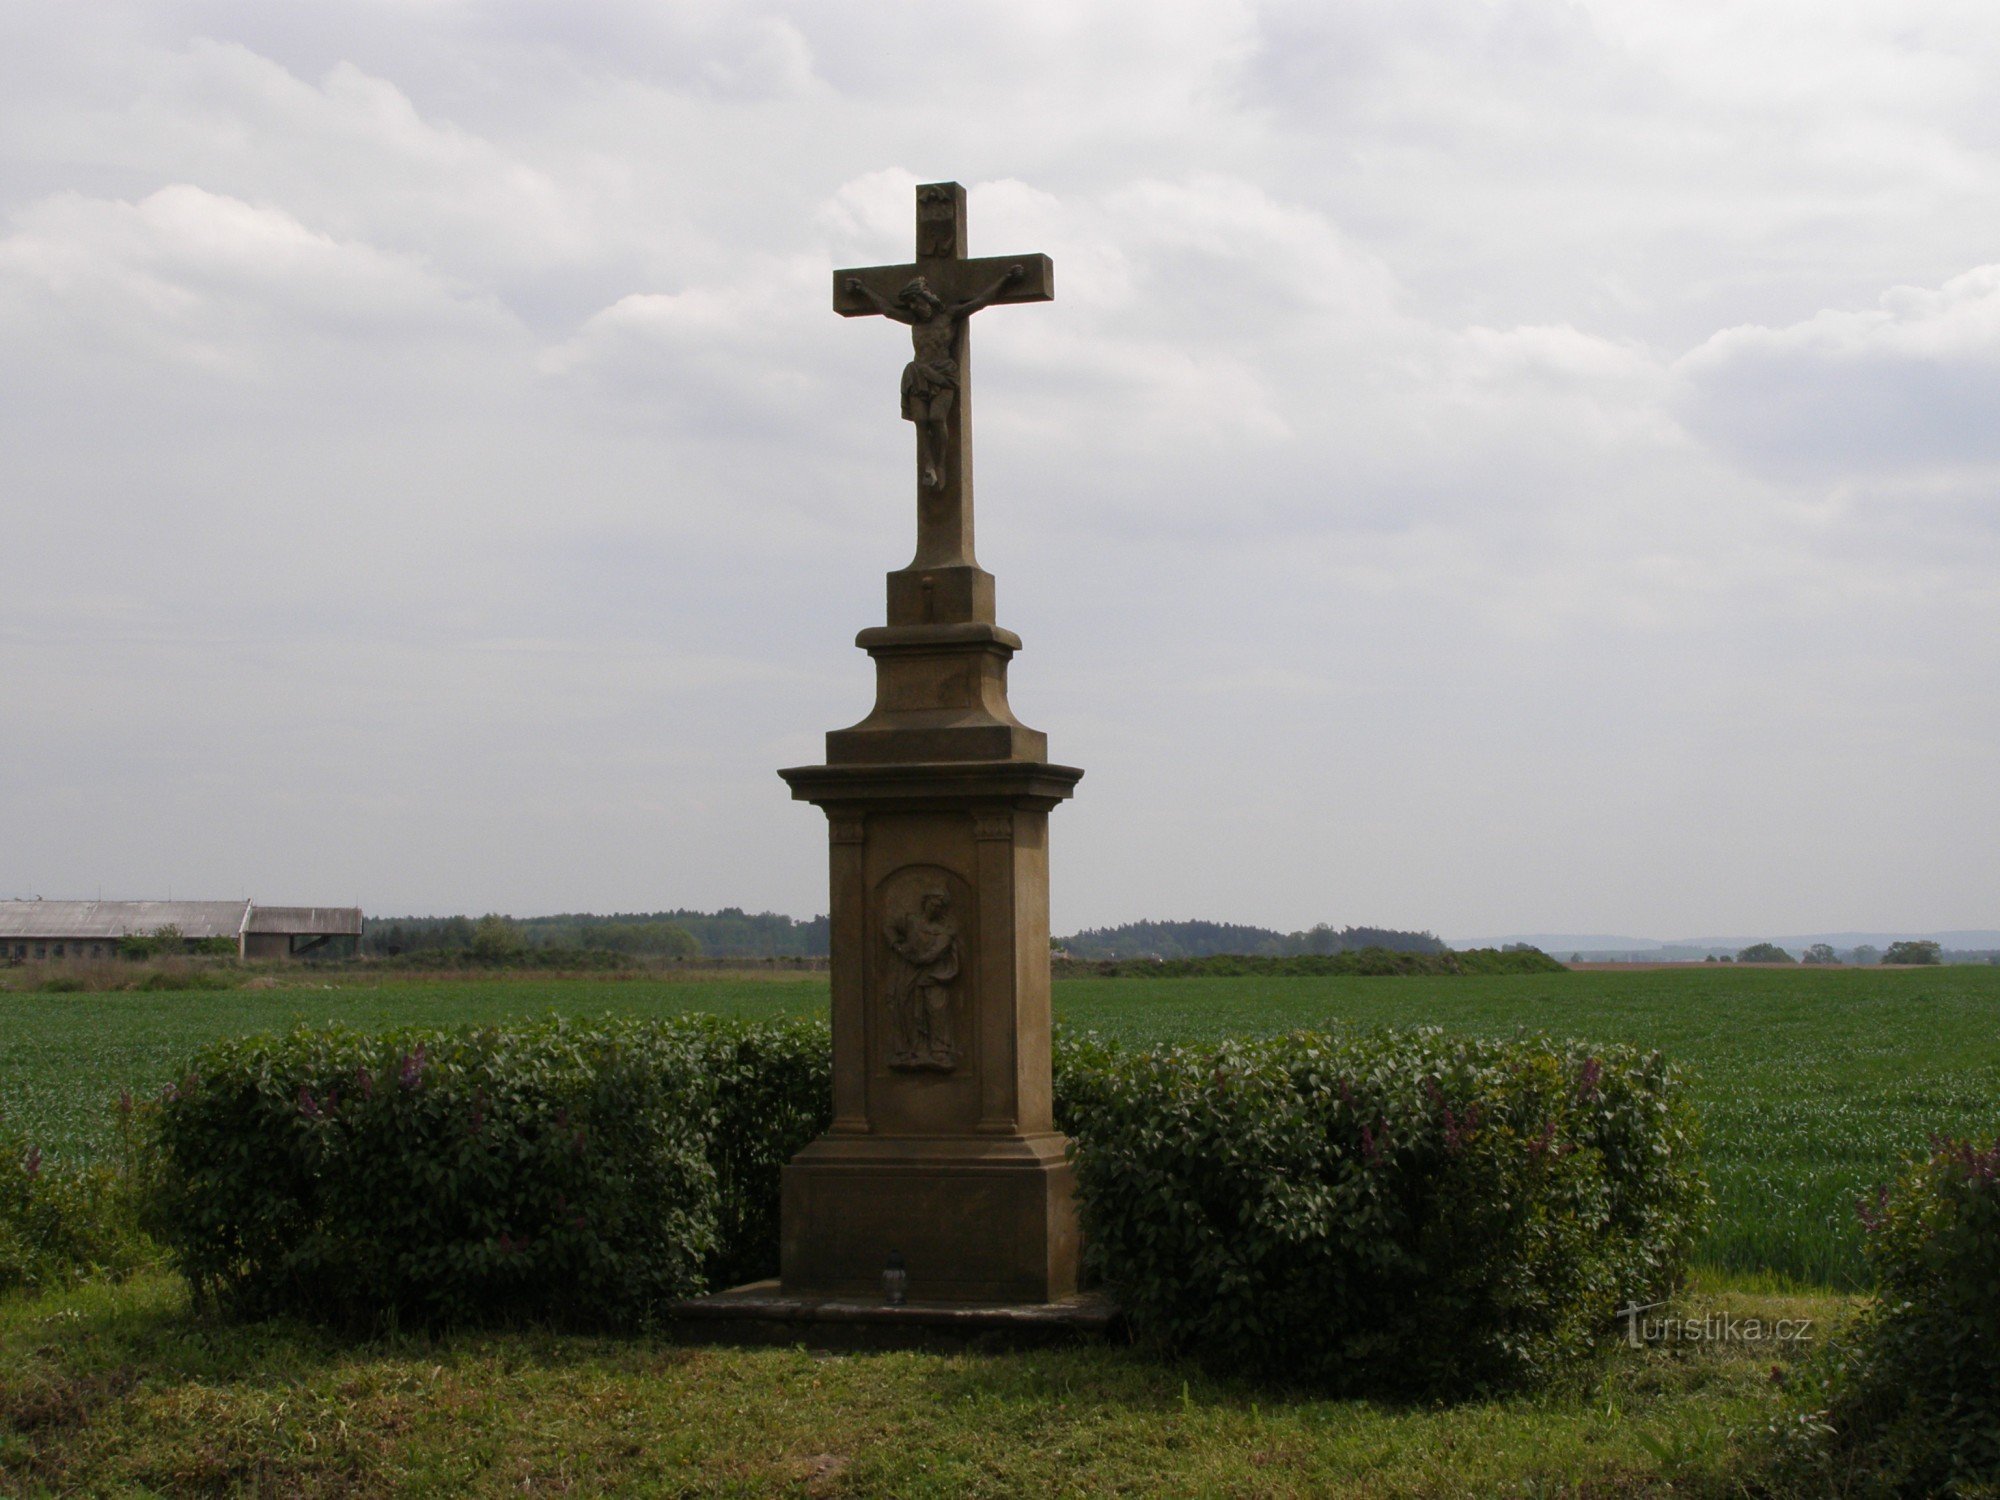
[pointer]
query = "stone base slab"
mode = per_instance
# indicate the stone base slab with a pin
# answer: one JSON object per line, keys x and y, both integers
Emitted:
{"x": 763, "y": 1313}
{"x": 975, "y": 1221}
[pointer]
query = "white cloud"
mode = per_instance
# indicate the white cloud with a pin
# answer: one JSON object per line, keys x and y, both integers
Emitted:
{"x": 712, "y": 352}
{"x": 193, "y": 278}
{"x": 1909, "y": 386}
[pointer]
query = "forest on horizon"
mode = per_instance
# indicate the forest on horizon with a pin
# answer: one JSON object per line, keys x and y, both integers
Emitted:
{"x": 735, "y": 933}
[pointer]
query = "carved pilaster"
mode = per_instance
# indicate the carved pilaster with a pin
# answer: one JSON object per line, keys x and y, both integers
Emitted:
{"x": 847, "y": 913}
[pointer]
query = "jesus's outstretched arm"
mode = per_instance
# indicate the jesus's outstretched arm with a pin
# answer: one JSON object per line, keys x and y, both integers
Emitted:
{"x": 876, "y": 300}
{"x": 985, "y": 299}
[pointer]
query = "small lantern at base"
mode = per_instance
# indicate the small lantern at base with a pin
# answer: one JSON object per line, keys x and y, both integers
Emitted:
{"x": 895, "y": 1280}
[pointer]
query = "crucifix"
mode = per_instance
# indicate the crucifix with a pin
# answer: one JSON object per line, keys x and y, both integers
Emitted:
{"x": 942, "y": 1157}
{"x": 935, "y": 296}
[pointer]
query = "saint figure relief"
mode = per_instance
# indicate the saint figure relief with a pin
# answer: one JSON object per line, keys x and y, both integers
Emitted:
{"x": 930, "y": 381}
{"x": 919, "y": 993}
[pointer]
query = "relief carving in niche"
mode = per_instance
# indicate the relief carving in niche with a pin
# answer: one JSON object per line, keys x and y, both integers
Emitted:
{"x": 920, "y": 922}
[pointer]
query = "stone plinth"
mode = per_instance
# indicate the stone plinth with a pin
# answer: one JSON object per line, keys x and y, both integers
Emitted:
{"x": 764, "y": 1313}
{"x": 943, "y": 1147}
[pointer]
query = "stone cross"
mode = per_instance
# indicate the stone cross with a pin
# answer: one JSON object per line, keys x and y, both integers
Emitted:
{"x": 942, "y": 1158}
{"x": 934, "y": 296}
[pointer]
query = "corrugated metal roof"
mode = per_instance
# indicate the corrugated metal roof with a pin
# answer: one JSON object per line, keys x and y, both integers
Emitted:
{"x": 314, "y": 921}
{"x": 115, "y": 919}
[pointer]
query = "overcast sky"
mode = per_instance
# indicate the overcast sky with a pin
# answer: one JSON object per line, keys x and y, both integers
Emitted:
{"x": 1489, "y": 466}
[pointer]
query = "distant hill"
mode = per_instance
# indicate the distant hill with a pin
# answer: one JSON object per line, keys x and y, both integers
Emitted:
{"x": 1960, "y": 945}
{"x": 1881, "y": 938}
{"x": 1197, "y": 939}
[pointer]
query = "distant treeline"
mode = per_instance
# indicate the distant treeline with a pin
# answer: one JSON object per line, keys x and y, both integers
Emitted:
{"x": 1358, "y": 962}
{"x": 735, "y": 933}
{"x": 1170, "y": 940}
{"x": 729, "y": 933}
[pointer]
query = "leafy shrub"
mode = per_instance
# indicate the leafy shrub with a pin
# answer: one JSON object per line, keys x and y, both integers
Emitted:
{"x": 446, "y": 959}
{"x": 1404, "y": 1212}
{"x": 175, "y": 977}
{"x": 496, "y": 939}
{"x": 1764, "y": 953}
{"x": 1913, "y": 951}
{"x": 668, "y": 939}
{"x": 1521, "y": 958}
{"x": 774, "y": 1087}
{"x": 589, "y": 1173}
{"x": 60, "y": 1225}
{"x": 1911, "y": 1392}
{"x": 169, "y": 941}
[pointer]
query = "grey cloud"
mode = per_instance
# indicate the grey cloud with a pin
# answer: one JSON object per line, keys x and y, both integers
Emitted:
{"x": 478, "y": 357}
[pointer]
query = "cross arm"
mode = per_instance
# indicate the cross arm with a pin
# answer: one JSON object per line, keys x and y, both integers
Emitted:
{"x": 952, "y": 280}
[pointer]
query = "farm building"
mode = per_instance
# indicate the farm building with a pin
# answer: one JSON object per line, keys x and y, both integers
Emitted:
{"x": 40, "y": 930}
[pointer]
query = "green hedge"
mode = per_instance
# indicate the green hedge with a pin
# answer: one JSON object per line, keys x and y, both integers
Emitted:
{"x": 775, "y": 1093}
{"x": 584, "y": 1172}
{"x": 1354, "y": 963}
{"x": 1400, "y": 1212}
{"x": 1406, "y": 1213}
{"x": 1909, "y": 1397}
{"x": 514, "y": 958}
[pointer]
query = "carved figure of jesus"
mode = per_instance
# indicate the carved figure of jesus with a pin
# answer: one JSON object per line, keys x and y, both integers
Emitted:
{"x": 920, "y": 998}
{"x": 930, "y": 381}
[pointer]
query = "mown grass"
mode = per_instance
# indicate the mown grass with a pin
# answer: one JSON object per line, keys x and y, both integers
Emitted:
{"x": 123, "y": 1391}
{"x": 1813, "y": 1083}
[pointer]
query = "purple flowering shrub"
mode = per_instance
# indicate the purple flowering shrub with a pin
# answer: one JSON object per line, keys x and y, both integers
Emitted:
{"x": 60, "y": 1224}
{"x": 1399, "y": 1212}
{"x": 584, "y": 1172}
{"x": 1908, "y": 1397}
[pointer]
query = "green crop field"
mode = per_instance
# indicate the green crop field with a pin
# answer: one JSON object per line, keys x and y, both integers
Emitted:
{"x": 1812, "y": 1082}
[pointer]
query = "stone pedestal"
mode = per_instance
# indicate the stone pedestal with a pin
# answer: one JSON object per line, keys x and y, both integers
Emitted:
{"x": 943, "y": 1149}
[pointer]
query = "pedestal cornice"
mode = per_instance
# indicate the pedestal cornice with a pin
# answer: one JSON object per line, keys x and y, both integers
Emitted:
{"x": 879, "y": 639}
{"x": 1032, "y": 786}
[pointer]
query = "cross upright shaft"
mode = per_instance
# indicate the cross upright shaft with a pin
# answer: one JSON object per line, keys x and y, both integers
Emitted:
{"x": 936, "y": 295}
